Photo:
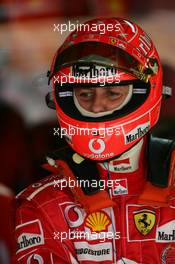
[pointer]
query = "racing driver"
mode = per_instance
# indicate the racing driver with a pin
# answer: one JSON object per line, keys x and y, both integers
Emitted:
{"x": 109, "y": 197}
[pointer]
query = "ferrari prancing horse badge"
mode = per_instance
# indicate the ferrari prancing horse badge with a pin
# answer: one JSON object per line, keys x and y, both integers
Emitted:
{"x": 144, "y": 221}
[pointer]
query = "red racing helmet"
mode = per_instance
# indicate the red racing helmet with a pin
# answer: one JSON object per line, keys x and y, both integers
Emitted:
{"x": 105, "y": 52}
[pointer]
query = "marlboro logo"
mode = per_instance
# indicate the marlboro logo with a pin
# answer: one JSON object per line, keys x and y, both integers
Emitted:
{"x": 30, "y": 234}
{"x": 137, "y": 132}
{"x": 120, "y": 187}
{"x": 166, "y": 232}
{"x": 28, "y": 240}
{"x": 92, "y": 71}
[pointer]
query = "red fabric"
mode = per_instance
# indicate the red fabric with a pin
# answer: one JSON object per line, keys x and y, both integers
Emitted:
{"x": 126, "y": 233}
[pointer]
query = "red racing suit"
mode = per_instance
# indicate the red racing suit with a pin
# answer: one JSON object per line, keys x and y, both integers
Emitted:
{"x": 53, "y": 227}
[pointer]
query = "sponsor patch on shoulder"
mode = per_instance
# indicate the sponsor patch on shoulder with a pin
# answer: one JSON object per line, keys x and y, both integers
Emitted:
{"x": 29, "y": 234}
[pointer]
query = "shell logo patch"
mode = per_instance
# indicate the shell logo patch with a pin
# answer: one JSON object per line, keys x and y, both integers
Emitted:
{"x": 97, "y": 221}
{"x": 144, "y": 221}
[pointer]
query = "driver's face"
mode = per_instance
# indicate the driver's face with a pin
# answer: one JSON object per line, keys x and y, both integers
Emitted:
{"x": 101, "y": 99}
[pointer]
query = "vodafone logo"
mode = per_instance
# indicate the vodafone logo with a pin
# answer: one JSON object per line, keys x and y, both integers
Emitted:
{"x": 36, "y": 257}
{"x": 71, "y": 210}
{"x": 97, "y": 146}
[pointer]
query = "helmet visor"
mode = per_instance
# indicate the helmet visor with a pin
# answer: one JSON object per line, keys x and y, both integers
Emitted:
{"x": 83, "y": 57}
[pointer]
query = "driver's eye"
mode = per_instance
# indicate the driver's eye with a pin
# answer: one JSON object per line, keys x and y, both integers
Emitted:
{"x": 113, "y": 94}
{"x": 86, "y": 95}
